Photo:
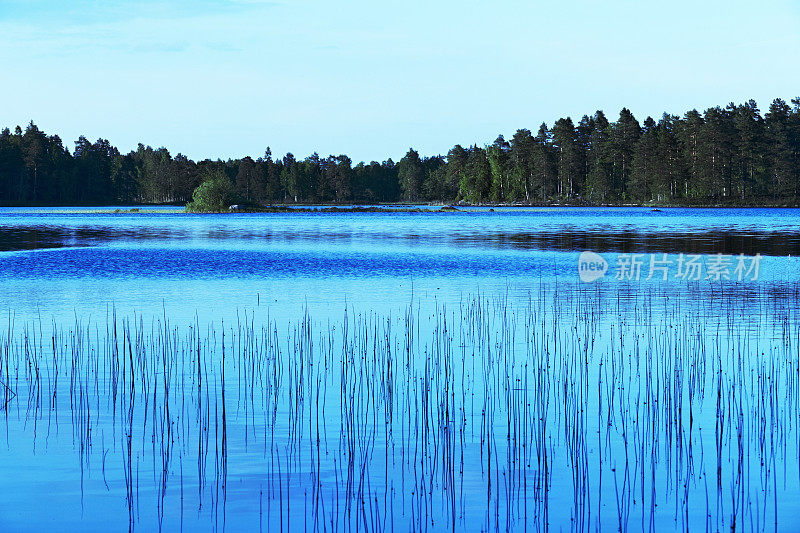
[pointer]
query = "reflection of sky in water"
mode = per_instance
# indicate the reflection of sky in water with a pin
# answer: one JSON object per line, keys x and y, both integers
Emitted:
{"x": 629, "y": 330}
{"x": 73, "y": 267}
{"x": 765, "y": 231}
{"x": 62, "y": 262}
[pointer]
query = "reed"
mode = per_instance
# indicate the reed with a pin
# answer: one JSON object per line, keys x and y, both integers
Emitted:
{"x": 572, "y": 407}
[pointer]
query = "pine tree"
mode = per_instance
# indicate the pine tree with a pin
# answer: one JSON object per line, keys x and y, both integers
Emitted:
{"x": 477, "y": 181}
{"x": 782, "y": 161}
{"x": 499, "y": 163}
{"x": 545, "y": 181}
{"x": 689, "y": 135}
{"x": 599, "y": 187}
{"x": 625, "y": 133}
{"x": 749, "y": 158}
{"x": 411, "y": 175}
{"x": 671, "y": 157}
{"x": 455, "y": 169}
{"x": 566, "y": 144}
{"x": 522, "y": 158}
{"x": 646, "y": 179}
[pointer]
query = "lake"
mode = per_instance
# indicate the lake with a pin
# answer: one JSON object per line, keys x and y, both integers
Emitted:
{"x": 505, "y": 368}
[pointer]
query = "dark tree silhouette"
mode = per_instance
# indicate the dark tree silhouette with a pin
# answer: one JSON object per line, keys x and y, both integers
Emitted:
{"x": 728, "y": 155}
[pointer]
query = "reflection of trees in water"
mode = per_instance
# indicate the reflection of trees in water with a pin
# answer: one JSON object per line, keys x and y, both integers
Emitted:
{"x": 41, "y": 237}
{"x": 748, "y": 242}
{"x": 615, "y": 241}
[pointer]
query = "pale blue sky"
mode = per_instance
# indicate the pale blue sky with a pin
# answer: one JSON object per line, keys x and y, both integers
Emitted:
{"x": 227, "y": 78}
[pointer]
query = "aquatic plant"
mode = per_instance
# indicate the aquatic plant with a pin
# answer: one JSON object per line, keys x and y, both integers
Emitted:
{"x": 574, "y": 407}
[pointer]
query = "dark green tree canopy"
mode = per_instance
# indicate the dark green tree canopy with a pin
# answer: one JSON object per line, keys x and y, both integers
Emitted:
{"x": 731, "y": 154}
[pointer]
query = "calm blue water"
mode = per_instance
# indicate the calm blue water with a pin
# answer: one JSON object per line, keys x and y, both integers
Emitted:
{"x": 401, "y": 283}
{"x": 57, "y": 262}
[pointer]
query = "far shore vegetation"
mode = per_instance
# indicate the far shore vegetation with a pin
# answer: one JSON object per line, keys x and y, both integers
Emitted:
{"x": 725, "y": 156}
{"x": 215, "y": 194}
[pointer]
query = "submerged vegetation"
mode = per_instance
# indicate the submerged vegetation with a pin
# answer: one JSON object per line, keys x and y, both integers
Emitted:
{"x": 576, "y": 408}
{"x": 732, "y": 155}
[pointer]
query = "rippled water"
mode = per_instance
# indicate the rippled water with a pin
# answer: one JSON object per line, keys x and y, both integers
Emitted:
{"x": 75, "y": 261}
{"x": 502, "y": 285}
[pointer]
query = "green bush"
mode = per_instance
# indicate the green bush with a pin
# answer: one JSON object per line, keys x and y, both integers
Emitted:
{"x": 214, "y": 195}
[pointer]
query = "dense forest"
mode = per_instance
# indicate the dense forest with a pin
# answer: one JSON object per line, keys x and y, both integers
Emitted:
{"x": 725, "y": 155}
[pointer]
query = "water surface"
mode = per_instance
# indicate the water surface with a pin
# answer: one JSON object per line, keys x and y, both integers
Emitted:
{"x": 488, "y": 385}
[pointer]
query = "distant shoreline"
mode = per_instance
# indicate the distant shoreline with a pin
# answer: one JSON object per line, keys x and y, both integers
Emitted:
{"x": 410, "y": 207}
{"x": 726, "y": 156}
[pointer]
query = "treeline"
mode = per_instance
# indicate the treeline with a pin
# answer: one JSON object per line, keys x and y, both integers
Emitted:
{"x": 731, "y": 154}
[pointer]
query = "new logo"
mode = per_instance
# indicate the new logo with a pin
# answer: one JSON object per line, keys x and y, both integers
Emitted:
{"x": 591, "y": 266}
